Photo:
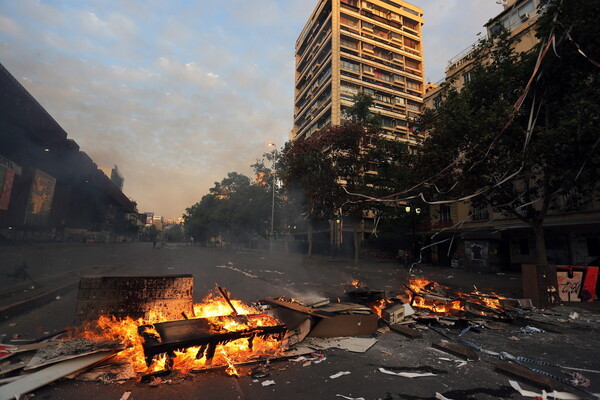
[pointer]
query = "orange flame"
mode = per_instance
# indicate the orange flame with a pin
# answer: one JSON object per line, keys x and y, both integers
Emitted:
{"x": 125, "y": 331}
{"x": 420, "y": 285}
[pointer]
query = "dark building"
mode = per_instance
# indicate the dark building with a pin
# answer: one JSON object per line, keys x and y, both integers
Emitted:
{"x": 49, "y": 188}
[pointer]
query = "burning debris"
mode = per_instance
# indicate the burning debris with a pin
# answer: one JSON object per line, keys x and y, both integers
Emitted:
{"x": 132, "y": 338}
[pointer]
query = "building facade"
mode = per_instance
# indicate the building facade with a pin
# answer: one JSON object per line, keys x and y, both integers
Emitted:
{"x": 485, "y": 240}
{"x": 352, "y": 46}
{"x": 49, "y": 188}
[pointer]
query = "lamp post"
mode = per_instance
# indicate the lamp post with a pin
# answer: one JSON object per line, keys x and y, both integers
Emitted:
{"x": 412, "y": 223}
{"x": 271, "y": 144}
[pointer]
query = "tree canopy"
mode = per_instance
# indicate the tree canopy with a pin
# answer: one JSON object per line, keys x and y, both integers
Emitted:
{"x": 522, "y": 135}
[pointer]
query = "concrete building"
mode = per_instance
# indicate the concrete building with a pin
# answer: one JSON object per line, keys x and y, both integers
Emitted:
{"x": 352, "y": 46}
{"x": 49, "y": 189}
{"x": 519, "y": 17}
{"x": 487, "y": 240}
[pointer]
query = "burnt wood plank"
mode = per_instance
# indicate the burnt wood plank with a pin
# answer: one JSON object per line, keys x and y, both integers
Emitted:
{"x": 456, "y": 349}
{"x": 406, "y": 331}
{"x": 528, "y": 376}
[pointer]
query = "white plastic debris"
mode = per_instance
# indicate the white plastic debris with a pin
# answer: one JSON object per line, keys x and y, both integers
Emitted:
{"x": 125, "y": 396}
{"x": 267, "y": 383}
{"x": 349, "y": 398}
{"x": 440, "y": 396}
{"x": 341, "y": 373}
{"x": 544, "y": 394}
{"x": 459, "y": 363}
{"x": 406, "y": 374}
{"x": 574, "y": 315}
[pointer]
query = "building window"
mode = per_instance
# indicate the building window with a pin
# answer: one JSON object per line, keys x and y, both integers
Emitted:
{"x": 412, "y": 63}
{"x": 467, "y": 77}
{"x": 346, "y": 42}
{"x": 347, "y": 20}
{"x": 413, "y": 44}
{"x": 480, "y": 214}
{"x": 437, "y": 101}
{"x": 350, "y": 65}
{"x": 413, "y": 85}
{"x": 445, "y": 214}
{"x": 369, "y": 92}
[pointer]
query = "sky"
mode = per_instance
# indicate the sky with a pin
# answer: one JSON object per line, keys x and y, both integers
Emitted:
{"x": 178, "y": 93}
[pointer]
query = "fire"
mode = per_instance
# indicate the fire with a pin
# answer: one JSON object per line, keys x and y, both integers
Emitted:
{"x": 212, "y": 307}
{"x": 356, "y": 283}
{"x": 378, "y": 306}
{"x": 423, "y": 287}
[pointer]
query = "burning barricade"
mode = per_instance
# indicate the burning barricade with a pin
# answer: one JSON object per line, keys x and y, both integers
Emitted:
{"x": 148, "y": 327}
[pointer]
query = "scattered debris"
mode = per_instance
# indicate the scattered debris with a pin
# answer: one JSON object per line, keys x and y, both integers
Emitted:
{"x": 574, "y": 315}
{"x": 531, "y": 330}
{"x": 406, "y": 331}
{"x": 267, "y": 383}
{"x": 49, "y": 374}
{"x": 341, "y": 373}
{"x": 529, "y": 376}
{"x": 125, "y": 396}
{"x": 349, "y": 398}
{"x": 353, "y": 344}
{"x": 554, "y": 394}
{"x": 456, "y": 349}
{"x": 407, "y": 374}
{"x": 67, "y": 349}
{"x": 459, "y": 363}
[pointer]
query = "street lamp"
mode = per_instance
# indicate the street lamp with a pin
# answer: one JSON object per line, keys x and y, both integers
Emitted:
{"x": 412, "y": 222}
{"x": 271, "y": 144}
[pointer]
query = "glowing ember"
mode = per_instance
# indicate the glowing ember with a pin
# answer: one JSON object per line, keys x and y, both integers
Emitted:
{"x": 213, "y": 308}
{"x": 427, "y": 290}
{"x": 356, "y": 283}
{"x": 378, "y": 306}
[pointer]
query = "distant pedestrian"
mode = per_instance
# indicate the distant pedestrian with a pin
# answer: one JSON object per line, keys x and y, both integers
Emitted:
{"x": 154, "y": 244}
{"x": 400, "y": 256}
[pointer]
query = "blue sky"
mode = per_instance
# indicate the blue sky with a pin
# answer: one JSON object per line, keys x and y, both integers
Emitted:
{"x": 178, "y": 93}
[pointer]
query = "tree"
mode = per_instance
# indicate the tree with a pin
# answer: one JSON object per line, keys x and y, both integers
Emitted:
{"x": 323, "y": 173}
{"x": 520, "y": 160}
{"x": 236, "y": 209}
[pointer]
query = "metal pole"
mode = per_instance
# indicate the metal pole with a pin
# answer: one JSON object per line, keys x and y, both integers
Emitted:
{"x": 273, "y": 206}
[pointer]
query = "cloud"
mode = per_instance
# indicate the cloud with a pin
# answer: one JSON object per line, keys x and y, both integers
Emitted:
{"x": 178, "y": 94}
{"x": 9, "y": 26}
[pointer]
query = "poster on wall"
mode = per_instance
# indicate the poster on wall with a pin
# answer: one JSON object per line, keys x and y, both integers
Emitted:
{"x": 576, "y": 283}
{"x": 476, "y": 250}
{"x": 149, "y": 218}
{"x": 40, "y": 199}
{"x": 8, "y": 170}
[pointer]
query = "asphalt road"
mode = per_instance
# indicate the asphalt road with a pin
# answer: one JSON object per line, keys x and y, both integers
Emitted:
{"x": 250, "y": 276}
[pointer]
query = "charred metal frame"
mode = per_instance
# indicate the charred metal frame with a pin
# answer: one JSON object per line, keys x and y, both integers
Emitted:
{"x": 171, "y": 336}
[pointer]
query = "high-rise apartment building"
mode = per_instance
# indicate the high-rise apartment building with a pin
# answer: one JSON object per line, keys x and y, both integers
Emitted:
{"x": 352, "y": 46}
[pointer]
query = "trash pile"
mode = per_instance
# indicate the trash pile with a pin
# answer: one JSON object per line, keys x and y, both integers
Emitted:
{"x": 147, "y": 328}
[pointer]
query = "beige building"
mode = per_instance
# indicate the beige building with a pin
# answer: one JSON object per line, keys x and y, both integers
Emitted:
{"x": 352, "y": 46}
{"x": 518, "y": 17}
{"x": 489, "y": 241}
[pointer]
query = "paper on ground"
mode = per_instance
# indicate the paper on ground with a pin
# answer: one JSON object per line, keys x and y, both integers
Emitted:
{"x": 440, "y": 396}
{"x": 544, "y": 394}
{"x": 349, "y": 398}
{"x": 406, "y": 374}
{"x": 268, "y": 383}
{"x": 353, "y": 344}
{"x": 341, "y": 373}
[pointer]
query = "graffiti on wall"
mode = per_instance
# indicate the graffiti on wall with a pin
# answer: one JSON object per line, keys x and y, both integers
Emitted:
{"x": 476, "y": 250}
{"x": 577, "y": 283}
